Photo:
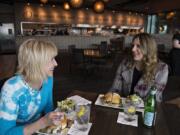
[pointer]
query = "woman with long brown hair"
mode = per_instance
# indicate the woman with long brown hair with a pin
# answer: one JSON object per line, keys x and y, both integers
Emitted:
{"x": 143, "y": 70}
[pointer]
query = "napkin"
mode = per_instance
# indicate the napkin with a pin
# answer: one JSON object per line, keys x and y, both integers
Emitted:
{"x": 74, "y": 131}
{"x": 80, "y": 100}
{"x": 121, "y": 119}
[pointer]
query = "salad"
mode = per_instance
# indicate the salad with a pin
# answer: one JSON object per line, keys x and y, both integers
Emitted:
{"x": 135, "y": 99}
{"x": 66, "y": 105}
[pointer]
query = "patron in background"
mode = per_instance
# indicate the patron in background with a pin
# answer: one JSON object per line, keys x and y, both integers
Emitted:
{"x": 142, "y": 70}
{"x": 174, "y": 55}
{"x": 28, "y": 94}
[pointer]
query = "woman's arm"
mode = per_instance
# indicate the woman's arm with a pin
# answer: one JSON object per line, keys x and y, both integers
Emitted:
{"x": 8, "y": 118}
{"x": 10, "y": 127}
{"x": 117, "y": 84}
{"x": 43, "y": 122}
{"x": 9, "y": 108}
{"x": 161, "y": 80}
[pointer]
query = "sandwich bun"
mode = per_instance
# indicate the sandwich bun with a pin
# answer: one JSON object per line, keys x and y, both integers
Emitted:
{"x": 108, "y": 97}
{"x": 116, "y": 98}
{"x": 113, "y": 98}
{"x": 63, "y": 122}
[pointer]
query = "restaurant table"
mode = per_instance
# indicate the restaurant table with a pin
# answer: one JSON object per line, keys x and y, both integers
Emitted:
{"x": 94, "y": 56}
{"x": 94, "y": 53}
{"x": 104, "y": 120}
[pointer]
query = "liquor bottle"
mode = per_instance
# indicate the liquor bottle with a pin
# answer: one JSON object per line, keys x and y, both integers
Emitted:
{"x": 150, "y": 108}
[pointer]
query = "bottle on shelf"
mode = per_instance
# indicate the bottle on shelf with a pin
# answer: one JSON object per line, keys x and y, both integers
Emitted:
{"x": 150, "y": 108}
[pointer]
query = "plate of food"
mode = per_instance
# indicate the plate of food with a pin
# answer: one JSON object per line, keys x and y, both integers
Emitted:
{"x": 136, "y": 100}
{"x": 110, "y": 99}
{"x": 59, "y": 129}
{"x": 114, "y": 100}
{"x": 67, "y": 105}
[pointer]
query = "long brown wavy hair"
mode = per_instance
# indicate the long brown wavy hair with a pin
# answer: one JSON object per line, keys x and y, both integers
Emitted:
{"x": 148, "y": 47}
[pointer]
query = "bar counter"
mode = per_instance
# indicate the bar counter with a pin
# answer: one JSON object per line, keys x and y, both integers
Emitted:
{"x": 62, "y": 42}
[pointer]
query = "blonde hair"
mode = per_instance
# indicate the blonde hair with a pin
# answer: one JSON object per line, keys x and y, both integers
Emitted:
{"x": 148, "y": 47}
{"x": 33, "y": 56}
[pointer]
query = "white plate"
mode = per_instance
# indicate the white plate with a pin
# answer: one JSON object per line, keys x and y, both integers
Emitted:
{"x": 100, "y": 103}
{"x": 41, "y": 133}
{"x": 62, "y": 133}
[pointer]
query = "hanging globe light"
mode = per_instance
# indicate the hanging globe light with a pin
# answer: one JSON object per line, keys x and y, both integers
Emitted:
{"x": 44, "y": 1}
{"x": 66, "y": 6}
{"x": 76, "y": 3}
{"x": 170, "y": 15}
{"x": 99, "y": 6}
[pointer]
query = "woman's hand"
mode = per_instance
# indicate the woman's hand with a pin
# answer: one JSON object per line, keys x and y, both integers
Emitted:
{"x": 43, "y": 122}
{"x": 50, "y": 118}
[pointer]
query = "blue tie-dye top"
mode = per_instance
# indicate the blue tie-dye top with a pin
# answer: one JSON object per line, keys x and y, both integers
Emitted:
{"x": 20, "y": 104}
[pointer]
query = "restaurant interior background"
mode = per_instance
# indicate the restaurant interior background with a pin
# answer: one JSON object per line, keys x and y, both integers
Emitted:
{"x": 86, "y": 30}
{"x": 85, "y": 24}
{"x": 105, "y": 19}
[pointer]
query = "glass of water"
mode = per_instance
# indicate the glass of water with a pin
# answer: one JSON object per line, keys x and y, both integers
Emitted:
{"x": 129, "y": 110}
{"x": 82, "y": 117}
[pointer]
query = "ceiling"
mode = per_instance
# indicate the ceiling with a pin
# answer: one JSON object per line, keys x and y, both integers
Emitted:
{"x": 140, "y": 6}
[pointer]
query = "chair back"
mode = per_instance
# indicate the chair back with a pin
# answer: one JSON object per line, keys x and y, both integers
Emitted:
{"x": 103, "y": 47}
{"x": 71, "y": 48}
{"x": 117, "y": 44}
{"x": 161, "y": 47}
{"x": 77, "y": 56}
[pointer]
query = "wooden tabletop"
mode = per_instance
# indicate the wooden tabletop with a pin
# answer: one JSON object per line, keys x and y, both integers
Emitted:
{"x": 105, "y": 120}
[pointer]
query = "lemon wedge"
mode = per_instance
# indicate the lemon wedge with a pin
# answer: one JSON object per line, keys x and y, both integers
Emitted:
{"x": 131, "y": 109}
{"x": 81, "y": 111}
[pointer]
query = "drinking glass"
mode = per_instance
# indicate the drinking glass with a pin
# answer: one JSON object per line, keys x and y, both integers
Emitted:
{"x": 82, "y": 117}
{"x": 129, "y": 110}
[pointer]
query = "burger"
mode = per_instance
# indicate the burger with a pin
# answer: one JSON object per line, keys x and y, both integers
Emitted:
{"x": 113, "y": 98}
{"x": 116, "y": 99}
{"x": 108, "y": 97}
{"x": 63, "y": 122}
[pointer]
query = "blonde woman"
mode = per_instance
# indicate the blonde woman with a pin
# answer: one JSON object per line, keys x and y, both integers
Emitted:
{"x": 28, "y": 94}
{"x": 138, "y": 74}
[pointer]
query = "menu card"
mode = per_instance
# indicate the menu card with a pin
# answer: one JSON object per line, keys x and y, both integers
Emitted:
{"x": 121, "y": 119}
{"x": 74, "y": 131}
{"x": 80, "y": 100}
